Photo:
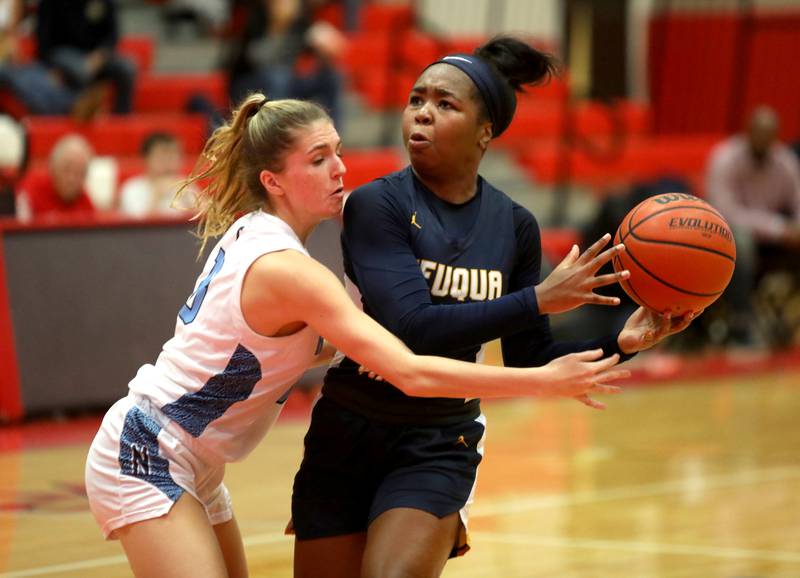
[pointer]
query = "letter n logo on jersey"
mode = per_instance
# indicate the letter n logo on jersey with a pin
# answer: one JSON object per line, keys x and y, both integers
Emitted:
{"x": 141, "y": 460}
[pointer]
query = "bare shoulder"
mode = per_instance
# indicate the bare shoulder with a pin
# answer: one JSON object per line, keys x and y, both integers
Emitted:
{"x": 277, "y": 262}
{"x": 282, "y": 289}
{"x": 287, "y": 274}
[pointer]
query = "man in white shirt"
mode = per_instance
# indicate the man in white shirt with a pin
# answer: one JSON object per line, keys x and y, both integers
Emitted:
{"x": 152, "y": 193}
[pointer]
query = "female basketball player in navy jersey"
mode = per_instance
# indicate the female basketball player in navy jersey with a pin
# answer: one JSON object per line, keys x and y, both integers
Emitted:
{"x": 446, "y": 262}
{"x": 154, "y": 471}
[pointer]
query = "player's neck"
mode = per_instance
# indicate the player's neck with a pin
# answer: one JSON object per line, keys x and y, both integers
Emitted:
{"x": 302, "y": 225}
{"x": 456, "y": 189}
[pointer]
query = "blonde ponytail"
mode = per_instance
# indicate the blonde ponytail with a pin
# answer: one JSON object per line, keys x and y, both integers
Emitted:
{"x": 258, "y": 136}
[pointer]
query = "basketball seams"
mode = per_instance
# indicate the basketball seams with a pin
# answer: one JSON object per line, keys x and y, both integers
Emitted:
{"x": 626, "y": 283}
{"x": 631, "y": 215}
{"x": 667, "y": 283}
{"x": 685, "y": 245}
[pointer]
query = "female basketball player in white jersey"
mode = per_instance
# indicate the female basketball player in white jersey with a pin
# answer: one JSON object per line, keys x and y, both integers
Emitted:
{"x": 250, "y": 329}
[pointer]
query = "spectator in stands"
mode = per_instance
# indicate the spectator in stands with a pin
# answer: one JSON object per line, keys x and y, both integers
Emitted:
{"x": 61, "y": 191}
{"x": 153, "y": 192}
{"x": 285, "y": 55}
{"x": 13, "y": 157}
{"x": 207, "y": 16}
{"x": 754, "y": 180}
{"x": 78, "y": 39}
{"x": 10, "y": 13}
{"x": 36, "y": 88}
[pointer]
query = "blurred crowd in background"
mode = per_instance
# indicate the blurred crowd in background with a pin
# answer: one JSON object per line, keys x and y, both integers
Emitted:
{"x": 90, "y": 125}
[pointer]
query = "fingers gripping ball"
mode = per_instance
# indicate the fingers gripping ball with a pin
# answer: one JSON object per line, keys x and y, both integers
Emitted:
{"x": 679, "y": 250}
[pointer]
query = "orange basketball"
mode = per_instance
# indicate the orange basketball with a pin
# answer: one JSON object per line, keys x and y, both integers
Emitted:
{"x": 679, "y": 250}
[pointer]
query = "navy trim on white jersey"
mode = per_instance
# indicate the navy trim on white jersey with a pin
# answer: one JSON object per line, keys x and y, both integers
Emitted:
{"x": 138, "y": 453}
{"x": 194, "y": 411}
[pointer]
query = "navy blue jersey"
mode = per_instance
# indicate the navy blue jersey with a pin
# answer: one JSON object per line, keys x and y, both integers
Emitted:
{"x": 445, "y": 279}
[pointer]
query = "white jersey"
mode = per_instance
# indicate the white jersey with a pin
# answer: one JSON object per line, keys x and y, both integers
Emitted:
{"x": 221, "y": 382}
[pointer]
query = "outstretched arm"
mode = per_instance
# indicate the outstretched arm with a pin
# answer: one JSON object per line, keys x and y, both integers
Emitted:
{"x": 377, "y": 242}
{"x": 379, "y": 259}
{"x": 536, "y": 346}
{"x": 285, "y": 287}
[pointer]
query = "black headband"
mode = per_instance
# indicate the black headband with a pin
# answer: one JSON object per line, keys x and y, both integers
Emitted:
{"x": 497, "y": 93}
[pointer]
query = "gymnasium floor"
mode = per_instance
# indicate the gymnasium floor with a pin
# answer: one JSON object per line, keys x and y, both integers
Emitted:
{"x": 689, "y": 477}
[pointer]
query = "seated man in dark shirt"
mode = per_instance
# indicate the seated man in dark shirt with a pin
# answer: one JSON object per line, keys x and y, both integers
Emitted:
{"x": 79, "y": 39}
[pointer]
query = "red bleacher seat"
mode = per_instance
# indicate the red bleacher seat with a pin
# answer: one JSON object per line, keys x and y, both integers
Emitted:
{"x": 372, "y": 17}
{"x": 366, "y": 165}
{"x": 382, "y": 63}
{"x": 332, "y": 13}
{"x": 377, "y": 70}
{"x": 366, "y": 53}
{"x": 419, "y": 49}
{"x": 556, "y": 89}
{"x": 171, "y": 92}
{"x": 386, "y": 16}
{"x": 546, "y": 119}
{"x": 557, "y": 241}
{"x": 639, "y": 158}
{"x": 116, "y": 135}
{"x": 139, "y": 48}
{"x": 154, "y": 93}
{"x": 383, "y": 91}
{"x": 534, "y": 120}
{"x": 11, "y": 105}
{"x": 375, "y": 17}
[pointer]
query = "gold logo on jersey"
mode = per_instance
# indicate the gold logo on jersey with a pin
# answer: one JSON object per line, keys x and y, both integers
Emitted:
{"x": 460, "y": 282}
{"x": 414, "y": 221}
{"x": 461, "y": 441}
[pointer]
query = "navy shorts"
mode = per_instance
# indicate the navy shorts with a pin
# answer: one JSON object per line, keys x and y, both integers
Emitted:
{"x": 355, "y": 468}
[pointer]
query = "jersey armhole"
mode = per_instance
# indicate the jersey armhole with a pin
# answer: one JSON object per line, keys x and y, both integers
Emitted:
{"x": 236, "y": 293}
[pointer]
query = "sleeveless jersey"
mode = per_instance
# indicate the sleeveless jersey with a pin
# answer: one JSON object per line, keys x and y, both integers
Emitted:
{"x": 221, "y": 382}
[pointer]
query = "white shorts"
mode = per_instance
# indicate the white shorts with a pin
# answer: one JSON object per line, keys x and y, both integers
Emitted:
{"x": 138, "y": 466}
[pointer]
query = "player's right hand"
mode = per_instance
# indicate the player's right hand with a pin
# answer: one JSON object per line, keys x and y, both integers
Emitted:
{"x": 571, "y": 284}
{"x": 579, "y": 374}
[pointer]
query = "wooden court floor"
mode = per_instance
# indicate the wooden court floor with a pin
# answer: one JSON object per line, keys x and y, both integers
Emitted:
{"x": 688, "y": 479}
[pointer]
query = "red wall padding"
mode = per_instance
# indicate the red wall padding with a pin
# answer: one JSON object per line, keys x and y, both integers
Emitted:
{"x": 708, "y": 70}
{"x": 774, "y": 70}
{"x": 691, "y": 69}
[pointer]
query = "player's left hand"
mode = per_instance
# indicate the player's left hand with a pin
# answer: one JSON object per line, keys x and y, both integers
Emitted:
{"x": 645, "y": 327}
